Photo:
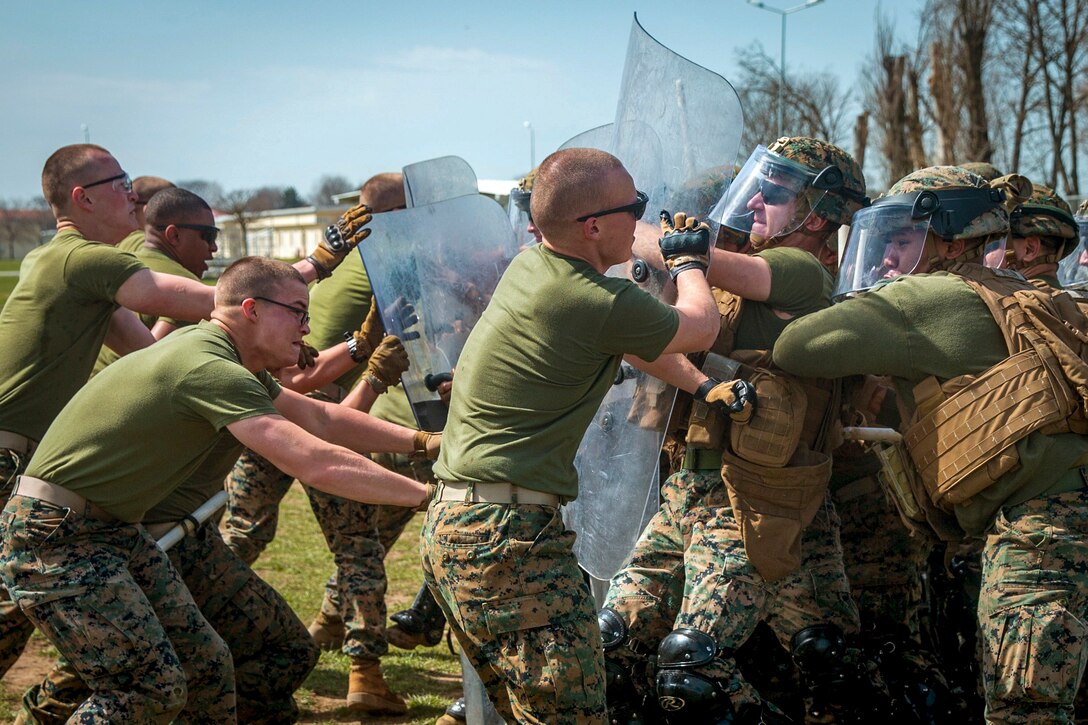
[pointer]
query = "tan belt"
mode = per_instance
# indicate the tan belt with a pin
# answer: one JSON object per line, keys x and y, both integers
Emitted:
{"x": 495, "y": 493}
{"x": 30, "y": 487}
{"x": 18, "y": 443}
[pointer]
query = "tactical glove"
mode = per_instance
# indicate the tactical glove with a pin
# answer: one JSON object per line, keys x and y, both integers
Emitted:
{"x": 426, "y": 445}
{"x": 362, "y": 344}
{"x": 432, "y": 491}
{"x": 735, "y": 397}
{"x": 340, "y": 239}
{"x": 307, "y": 354}
{"x": 403, "y": 313}
{"x": 387, "y": 363}
{"x": 685, "y": 243}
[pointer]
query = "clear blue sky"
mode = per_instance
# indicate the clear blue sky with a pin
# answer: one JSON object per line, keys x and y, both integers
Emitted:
{"x": 253, "y": 93}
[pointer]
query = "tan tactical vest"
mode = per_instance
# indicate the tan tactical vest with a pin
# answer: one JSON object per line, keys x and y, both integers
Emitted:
{"x": 963, "y": 432}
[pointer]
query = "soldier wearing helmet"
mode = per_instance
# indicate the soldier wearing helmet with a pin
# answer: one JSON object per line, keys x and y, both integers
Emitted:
{"x": 1041, "y": 231}
{"x": 977, "y": 355}
{"x": 701, "y": 568}
{"x": 1073, "y": 269}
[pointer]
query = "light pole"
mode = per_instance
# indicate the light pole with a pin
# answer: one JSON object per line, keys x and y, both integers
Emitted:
{"x": 532, "y": 144}
{"x": 782, "y": 55}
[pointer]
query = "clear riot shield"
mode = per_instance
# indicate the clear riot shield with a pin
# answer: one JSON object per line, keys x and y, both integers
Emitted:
{"x": 433, "y": 269}
{"x": 446, "y": 177}
{"x": 677, "y": 130}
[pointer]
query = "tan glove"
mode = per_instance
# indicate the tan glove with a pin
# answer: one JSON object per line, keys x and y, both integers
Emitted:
{"x": 737, "y": 398}
{"x": 369, "y": 336}
{"x": 307, "y": 355}
{"x": 685, "y": 243}
{"x": 340, "y": 239}
{"x": 432, "y": 491}
{"x": 387, "y": 363}
{"x": 426, "y": 445}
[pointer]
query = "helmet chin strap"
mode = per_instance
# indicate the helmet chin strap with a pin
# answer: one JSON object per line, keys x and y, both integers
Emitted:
{"x": 936, "y": 262}
{"x": 759, "y": 242}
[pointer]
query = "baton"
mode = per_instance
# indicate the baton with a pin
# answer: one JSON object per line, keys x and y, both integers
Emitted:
{"x": 192, "y": 522}
{"x": 880, "y": 435}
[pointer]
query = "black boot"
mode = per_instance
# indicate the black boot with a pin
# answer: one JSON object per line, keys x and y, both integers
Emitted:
{"x": 420, "y": 624}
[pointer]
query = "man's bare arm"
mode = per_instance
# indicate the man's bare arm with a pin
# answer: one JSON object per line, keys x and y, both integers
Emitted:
{"x": 162, "y": 328}
{"x": 743, "y": 275}
{"x": 699, "y": 318}
{"x": 166, "y": 295}
{"x": 343, "y": 426}
{"x": 330, "y": 365}
{"x": 674, "y": 368}
{"x": 325, "y": 466}
{"x": 126, "y": 332}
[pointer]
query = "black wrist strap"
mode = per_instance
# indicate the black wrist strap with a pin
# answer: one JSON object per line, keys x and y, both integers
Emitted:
{"x": 704, "y": 389}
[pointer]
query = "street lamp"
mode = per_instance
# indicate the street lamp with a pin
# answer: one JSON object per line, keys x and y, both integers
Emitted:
{"x": 532, "y": 144}
{"x": 782, "y": 56}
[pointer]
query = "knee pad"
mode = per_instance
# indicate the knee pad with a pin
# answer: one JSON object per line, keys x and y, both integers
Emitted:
{"x": 681, "y": 687}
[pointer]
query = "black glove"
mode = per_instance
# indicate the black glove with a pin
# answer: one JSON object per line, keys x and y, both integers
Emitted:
{"x": 737, "y": 398}
{"x": 685, "y": 243}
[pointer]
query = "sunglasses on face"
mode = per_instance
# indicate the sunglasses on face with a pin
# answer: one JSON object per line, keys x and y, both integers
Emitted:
{"x": 775, "y": 194}
{"x": 208, "y": 233}
{"x": 637, "y": 207}
{"x": 126, "y": 183}
{"x": 303, "y": 315}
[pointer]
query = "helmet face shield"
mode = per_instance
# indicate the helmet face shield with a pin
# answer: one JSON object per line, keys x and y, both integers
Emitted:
{"x": 520, "y": 217}
{"x": 771, "y": 197}
{"x": 1073, "y": 269}
{"x": 993, "y": 254}
{"x": 886, "y": 241}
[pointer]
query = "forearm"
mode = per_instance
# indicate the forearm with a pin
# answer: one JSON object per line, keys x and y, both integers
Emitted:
{"x": 306, "y": 268}
{"x": 675, "y": 369}
{"x": 698, "y": 312}
{"x": 167, "y": 295}
{"x": 361, "y": 397}
{"x": 330, "y": 365}
{"x": 743, "y": 275}
{"x": 357, "y": 478}
{"x": 126, "y": 333}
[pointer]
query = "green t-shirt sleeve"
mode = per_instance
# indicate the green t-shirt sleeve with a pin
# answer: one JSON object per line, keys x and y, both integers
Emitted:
{"x": 638, "y": 324}
{"x": 223, "y": 392}
{"x": 799, "y": 283}
{"x": 99, "y": 270}
{"x": 270, "y": 384}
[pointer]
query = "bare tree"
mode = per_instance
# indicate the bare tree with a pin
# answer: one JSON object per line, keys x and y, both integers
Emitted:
{"x": 886, "y": 96}
{"x": 22, "y": 223}
{"x": 328, "y": 185}
{"x": 209, "y": 191}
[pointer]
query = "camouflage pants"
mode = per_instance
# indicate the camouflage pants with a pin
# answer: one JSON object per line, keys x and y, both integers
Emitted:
{"x": 15, "y": 628}
{"x": 271, "y": 650}
{"x": 1033, "y": 608}
{"x": 507, "y": 580}
{"x": 356, "y": 592}
{"x": 884, "y": 563}
{"x": 114, "y": 606}
{"x": 689, "y": 570}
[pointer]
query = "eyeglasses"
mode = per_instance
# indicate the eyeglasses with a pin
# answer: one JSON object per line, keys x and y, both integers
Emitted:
{"x": 775, "y": 194}
{"x": 303, "y": 315}
{"x": 208, "y": 233}
{"x": 637, "y": 207}
{"x": 126, "y": 183}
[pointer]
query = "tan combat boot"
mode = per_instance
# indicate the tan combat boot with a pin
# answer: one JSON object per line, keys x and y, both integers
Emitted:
{"x": 368, "y": 693}
{"x": 327, "y": 631}
{"x": 455, "y": 714}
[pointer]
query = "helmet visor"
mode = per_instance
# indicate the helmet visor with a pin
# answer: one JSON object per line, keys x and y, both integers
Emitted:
{"x": 885, "y": 242}
{"x": 518, "y": 209}
{"x": 1073, "y": 269}
{"x": 768, "y": 198}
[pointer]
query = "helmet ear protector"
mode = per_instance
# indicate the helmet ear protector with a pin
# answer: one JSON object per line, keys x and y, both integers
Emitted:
{"x": 830, "y": 179}
{"x": 950, "y": 211}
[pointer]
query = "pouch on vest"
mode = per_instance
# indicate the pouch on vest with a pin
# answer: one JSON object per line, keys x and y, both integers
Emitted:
{"x": 900, "y": 480}
{"x": 770, "y": 438}
{"x": 773, "y": 506}
{"x": 706, "y": 424}
{"x": 967, "y": 441}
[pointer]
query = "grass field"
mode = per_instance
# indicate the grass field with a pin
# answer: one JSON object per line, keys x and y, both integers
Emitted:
{"x": 297, "y": 564}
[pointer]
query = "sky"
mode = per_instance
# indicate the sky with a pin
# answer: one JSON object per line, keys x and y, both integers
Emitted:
{"x": 249, "y": 94}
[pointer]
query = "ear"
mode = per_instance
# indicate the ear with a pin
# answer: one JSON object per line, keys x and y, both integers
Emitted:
{"x": 949, "y": 250}
{"x": 249, "y": 309}
{"x": 1032, "y": 248}
{"x": 590, "y": 230}
{"x": 79, "y": 199}
{"x": 170, "y": 235}
{"x": 828, "y": 257}
{"x": 815, "y": 223}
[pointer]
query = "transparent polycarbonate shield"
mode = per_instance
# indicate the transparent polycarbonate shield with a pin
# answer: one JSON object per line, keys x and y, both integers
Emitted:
{"x": 517, "y": 208}
{"x": 478, "y": 708}
{"x": 1073, "y": 269}
{"x": 595, "y": 138}
{"x": 446, "y": 177}
{"x": 885, "y": 242}
{"x": 433, "y": 269}
{"x": 677, "y": 126}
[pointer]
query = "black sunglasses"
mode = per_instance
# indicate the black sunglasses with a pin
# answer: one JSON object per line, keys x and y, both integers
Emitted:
{"x": 775, "y": 194}
{"x": 637, "y": 207}
{"x": 303, "y": 315}
{"x": 126, "y": 184}
{"x": 208, "y": 233}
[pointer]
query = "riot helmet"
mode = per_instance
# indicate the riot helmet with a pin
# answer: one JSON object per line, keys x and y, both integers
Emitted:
{"x": 521, "y": 217}
{"x": 781, "y": 186}
{"x": 1047, "y": 216}
{"x": 1073, "y": 270}
{"x": 982, "y": 168}
{"x": 898, "y": 232}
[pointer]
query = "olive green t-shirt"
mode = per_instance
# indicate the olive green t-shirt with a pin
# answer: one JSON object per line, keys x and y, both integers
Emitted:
{"x": 204, "y": 483}
{"x": 156, "y": 261}
{"x": 143, "y": 426}
{"x": 799, "y": 285}
{"x": 53, "y": 325}
{"x": 538, "y": 364}
{"x": 339, "y": 304}
{"x": 134, "y": 242}
{"x": 914, "y": 327}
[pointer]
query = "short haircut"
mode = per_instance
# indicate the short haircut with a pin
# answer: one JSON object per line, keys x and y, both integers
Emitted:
{"x": 67, "y": 168}
{"x": 383, "y": 192}
{"x": 568, "y": 183}
{"x": 253, "y": 277}
{"x": 147, "y": 186}
{"x": 173, "y": 205}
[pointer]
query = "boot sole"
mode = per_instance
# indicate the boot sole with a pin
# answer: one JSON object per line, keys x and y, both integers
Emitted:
{"x": 374, "y": 704}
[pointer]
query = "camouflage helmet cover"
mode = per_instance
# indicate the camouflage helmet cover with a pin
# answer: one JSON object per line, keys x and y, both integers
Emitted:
{"x": 994, "y": 220}
{"x": 818, "y": 155}
{"x": 984, "y": 169}
{"x": 1044, "y": 214}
